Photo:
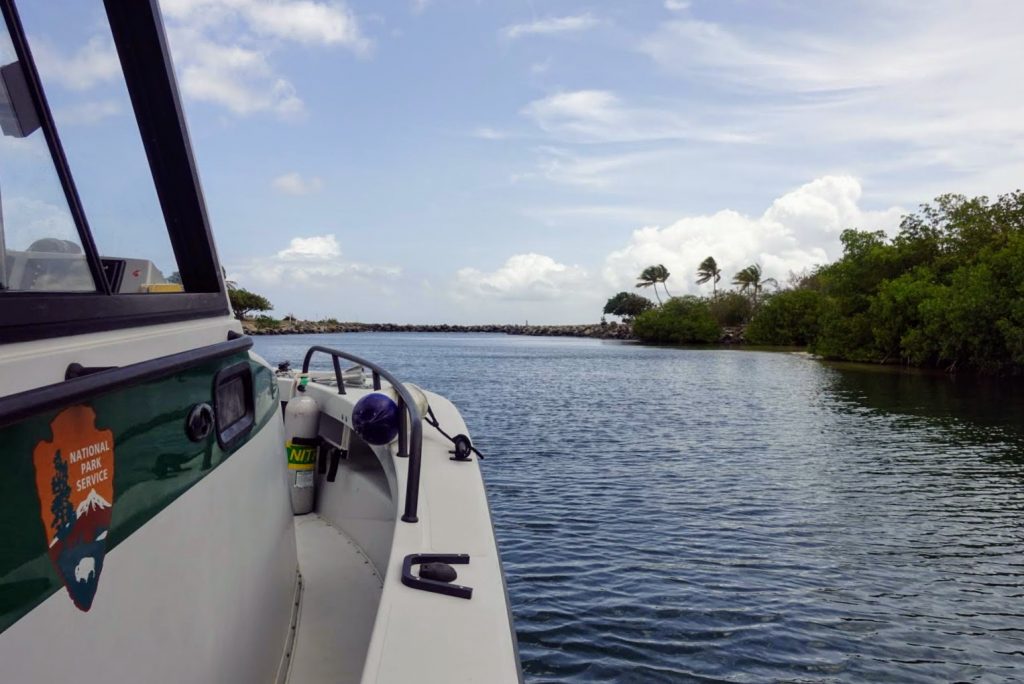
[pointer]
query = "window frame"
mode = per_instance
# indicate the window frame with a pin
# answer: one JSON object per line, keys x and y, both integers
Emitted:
{"x": 141, "y": 43}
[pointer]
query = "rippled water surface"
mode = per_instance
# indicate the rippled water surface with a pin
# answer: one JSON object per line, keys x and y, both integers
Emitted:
{"x": 722, "y": 515}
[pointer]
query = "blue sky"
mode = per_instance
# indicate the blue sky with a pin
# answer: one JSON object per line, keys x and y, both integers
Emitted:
{"x": 451, "y": 161}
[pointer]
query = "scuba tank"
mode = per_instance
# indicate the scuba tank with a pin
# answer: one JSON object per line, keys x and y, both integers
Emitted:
{"x": 301, "y": 425}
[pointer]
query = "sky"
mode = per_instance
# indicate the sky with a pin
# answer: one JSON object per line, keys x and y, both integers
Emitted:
{"x": 459, "y": 161}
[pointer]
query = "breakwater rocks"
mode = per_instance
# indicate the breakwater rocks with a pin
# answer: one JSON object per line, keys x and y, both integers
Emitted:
{"x": 732, "y": 335}
{"x": 610, "y": 331}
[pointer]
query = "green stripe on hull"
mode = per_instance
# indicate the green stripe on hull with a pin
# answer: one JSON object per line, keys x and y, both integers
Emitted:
{"x": 154, "y": 464}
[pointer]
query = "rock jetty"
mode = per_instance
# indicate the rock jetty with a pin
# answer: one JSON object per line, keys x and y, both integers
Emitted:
{"x": 609, "y": 331}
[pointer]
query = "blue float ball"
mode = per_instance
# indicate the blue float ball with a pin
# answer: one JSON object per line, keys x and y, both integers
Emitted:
{"x": 375, "y": 418}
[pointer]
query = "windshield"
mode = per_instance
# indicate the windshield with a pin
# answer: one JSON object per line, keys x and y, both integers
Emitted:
{"x": 40, "y": 248}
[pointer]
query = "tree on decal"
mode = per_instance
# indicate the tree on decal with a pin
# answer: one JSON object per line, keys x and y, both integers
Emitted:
{"x": 63, "y": 512}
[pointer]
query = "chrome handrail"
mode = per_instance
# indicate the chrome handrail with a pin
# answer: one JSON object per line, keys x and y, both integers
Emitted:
{"x": 407, "y": 414}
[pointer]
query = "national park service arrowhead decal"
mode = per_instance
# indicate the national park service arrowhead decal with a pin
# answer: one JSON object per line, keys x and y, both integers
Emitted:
{"x": 75, "y": 481}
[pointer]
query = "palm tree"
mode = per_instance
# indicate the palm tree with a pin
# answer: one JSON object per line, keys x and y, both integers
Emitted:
{"x": 651, "y": 276}
{"x": 708, "y": 270}
{"x": 663, "y": 275}
{"x": 750, "y": 278}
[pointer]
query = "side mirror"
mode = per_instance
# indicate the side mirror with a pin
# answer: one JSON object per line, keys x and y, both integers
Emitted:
{"x": 18, "y": 115}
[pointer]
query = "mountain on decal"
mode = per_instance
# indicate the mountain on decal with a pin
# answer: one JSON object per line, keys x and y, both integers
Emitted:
{"x": 76, "y": 498}
{"x": 93, "y": 502}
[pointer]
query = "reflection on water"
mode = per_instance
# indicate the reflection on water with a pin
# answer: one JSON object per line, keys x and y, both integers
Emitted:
{"x": 724, "y": 515}
{"x": 993, "y": 408}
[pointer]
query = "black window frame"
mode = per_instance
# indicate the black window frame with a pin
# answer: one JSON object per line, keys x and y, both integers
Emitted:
{"x": 141, "y": 44}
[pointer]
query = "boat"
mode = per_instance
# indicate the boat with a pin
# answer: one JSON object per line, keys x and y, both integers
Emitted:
{"x": 174, "y": 508}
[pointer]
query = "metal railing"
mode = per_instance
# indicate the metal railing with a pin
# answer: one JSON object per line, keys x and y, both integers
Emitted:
{"x": 409, "y": 445}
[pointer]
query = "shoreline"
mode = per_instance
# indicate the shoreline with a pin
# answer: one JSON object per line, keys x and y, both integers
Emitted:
{"x": 608, "y": 331}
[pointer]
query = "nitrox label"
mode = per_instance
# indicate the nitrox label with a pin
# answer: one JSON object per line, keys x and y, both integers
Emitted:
{"x": 301, "y": 453}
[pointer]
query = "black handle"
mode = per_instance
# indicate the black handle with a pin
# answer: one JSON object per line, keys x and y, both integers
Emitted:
{"x": 406, "y": 402}
{"x": 411, "y": 580}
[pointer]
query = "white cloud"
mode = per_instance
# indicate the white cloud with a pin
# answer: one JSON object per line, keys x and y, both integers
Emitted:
{"x": 318, "y": 247}
{"x": 799, "y": 229}
{"x": 677, "y": 5}
{"x": 929, "y": 87}
{"x": 523, "y": 277}
{"x": 223, "y": 48}
{"x": 238, "y": 78}
{"x": 94, "y": 63}
{"x": 314, "y": 262}
{"x": 420, "y": 6}
{"x": 488, "y": 133}
{"x": 594, "y": 172}
{"x": 295, "y": 184}
{"x": 308, "y": 22}
{"x": 304, "y": 21}
{"x": 551, "y": 25}
{"x": 87, "y": 113}
{"x": 588, "y": 116}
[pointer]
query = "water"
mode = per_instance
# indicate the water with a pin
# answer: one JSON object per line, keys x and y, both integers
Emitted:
{"x": 670, "y": 515}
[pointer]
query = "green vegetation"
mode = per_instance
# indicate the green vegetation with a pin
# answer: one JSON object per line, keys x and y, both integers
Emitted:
{"x": 244, "y": 302}
{"x": 947, "y": 292}
{"x": 788, "y": 318}
{"x": 627, "y": 305}
{"x": 266, "y": 323}
{"x": 731, "y": 308}
{"x": 680, "y": 320}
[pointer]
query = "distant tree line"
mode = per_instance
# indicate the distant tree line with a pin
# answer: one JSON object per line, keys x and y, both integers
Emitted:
{"x": 243, "y": 302}
{"x": 689, "y": 319}
{"x": 947, "y": 291}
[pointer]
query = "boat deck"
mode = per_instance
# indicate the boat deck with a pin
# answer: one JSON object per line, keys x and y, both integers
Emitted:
{"x": 340, "y": 594}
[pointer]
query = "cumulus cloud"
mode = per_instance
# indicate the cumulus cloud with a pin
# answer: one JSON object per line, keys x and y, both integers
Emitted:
{"x": 677, "y": 5}
{"x": 237, "y": 78}
{"x": 223, "y": 48}
{"x": 295, "y": 184}
{"x": 312, "y": 262}
{"x": 94, "y": 63}
{"x": 551, "y": 25}
{"x": 523, "y": 277}
{"x": 318, "y": 247}
{"x": 799, "y": 229}
{"x": 600, "y": 116}
{"x": 305, "y": 21}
